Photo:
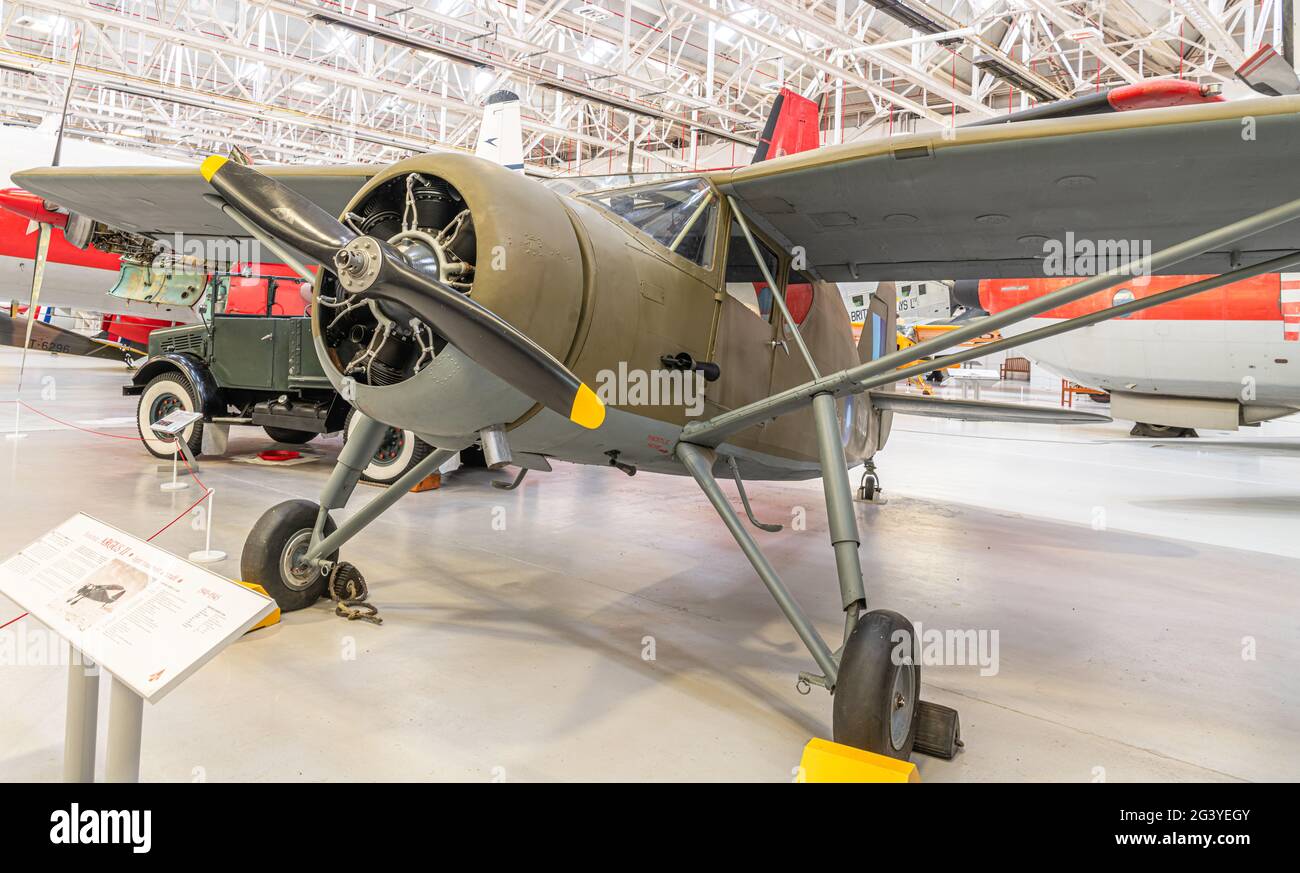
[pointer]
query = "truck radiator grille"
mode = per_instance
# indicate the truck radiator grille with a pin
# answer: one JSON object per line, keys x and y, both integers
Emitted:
{"x": 190, "y": 342}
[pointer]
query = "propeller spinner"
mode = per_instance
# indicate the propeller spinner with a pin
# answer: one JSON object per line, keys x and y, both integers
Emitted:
{"x": 368, "y": 267}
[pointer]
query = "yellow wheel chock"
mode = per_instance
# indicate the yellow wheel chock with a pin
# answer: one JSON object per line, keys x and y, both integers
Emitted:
{"x": 825, "y": 761}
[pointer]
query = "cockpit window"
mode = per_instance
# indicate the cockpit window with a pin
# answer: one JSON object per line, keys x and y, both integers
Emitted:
{"x": 680, "y": 215}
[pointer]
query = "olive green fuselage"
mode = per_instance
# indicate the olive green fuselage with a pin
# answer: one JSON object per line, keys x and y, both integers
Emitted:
{"x": 611, "y": 302}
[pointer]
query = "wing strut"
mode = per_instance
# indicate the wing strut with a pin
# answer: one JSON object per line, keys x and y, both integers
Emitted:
{"x": 772, "y": 286}
{"x": 1274, "y": 265}
{"x": 885, "y": 369}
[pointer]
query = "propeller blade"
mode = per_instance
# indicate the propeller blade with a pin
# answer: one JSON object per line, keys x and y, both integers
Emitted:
{"x": 277, "y": 209}
{"x": 370, "y": 267}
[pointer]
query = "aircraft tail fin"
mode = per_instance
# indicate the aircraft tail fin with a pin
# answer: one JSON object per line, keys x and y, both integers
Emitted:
{"x": 792, "y": 127}
{"x": 500, "y": 137}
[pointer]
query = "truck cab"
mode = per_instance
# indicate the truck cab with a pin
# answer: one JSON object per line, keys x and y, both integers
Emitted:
{"x": 251, "y": 361}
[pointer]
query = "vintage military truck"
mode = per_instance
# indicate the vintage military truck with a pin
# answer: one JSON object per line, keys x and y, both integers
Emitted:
{"x": 251, "y": 361}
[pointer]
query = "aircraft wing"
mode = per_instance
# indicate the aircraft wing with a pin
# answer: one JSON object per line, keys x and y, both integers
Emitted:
{"x": 981, "y": 202}
{"x": 160, "y": 201}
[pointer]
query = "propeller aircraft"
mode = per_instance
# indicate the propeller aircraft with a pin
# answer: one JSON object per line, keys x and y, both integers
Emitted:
{"x": 474, "y": 305}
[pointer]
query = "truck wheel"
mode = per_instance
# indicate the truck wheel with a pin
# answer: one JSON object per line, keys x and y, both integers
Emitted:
{"x": 400, "y": 451}
{"x": 167, "y": 393}
{"x": 289, "y": 436}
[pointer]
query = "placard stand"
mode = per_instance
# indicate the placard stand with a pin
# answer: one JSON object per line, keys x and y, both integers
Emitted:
{"x": 131, "y": 611}
{"x": 83, "y": 719}
{"x": 172, "y": 425}
{"x": 125, "y": 726}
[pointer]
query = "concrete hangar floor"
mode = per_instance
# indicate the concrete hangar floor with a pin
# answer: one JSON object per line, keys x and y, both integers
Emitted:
{"x": 1143, "y": 595}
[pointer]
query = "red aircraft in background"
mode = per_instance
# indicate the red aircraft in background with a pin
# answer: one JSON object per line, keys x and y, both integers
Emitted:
{"x": 79, "y": 279}
{"x": 1220, "y": 359}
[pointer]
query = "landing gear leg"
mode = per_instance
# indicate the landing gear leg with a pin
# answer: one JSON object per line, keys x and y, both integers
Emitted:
{"x": 879, "y": 688}
{"x": 294, "y": 547}
{"x": 875, "y": 677}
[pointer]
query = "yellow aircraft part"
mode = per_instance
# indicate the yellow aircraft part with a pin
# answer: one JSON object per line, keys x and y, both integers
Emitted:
{"x": 824, "y": 761}
{"x": 587, "y": 410}
{"x": 210, "y": 165}
{"x": 273, "y": 618}
{"x": 906, "y": 342}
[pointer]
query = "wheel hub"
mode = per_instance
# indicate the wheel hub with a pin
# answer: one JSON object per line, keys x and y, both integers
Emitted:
{"x": 295, "y": 571}
{"x": 162, "y": 407}
{"x": 391, "y": 448}
{"x": 900, "y": 715}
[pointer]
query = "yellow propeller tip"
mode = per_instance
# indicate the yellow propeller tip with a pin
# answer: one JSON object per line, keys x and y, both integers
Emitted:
{"x": 587, "y": 409}
{"x": 210, "y": 165}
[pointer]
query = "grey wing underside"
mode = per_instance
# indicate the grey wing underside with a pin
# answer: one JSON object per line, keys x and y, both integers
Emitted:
{"x": 160, "y": 201}
{"x": 983, "y": 202}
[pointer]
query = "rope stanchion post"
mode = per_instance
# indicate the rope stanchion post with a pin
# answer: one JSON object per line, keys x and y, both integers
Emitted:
{"x": 208, "y": 555}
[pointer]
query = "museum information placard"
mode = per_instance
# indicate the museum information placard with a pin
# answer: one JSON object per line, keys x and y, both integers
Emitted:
{"x": 143, "y": 614}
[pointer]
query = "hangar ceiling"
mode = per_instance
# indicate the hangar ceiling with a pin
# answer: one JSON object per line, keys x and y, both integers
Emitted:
{"x": 685, "y": 83}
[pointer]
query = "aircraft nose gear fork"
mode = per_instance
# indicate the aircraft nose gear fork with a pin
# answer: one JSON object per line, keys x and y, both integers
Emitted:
{"x": 292, "y": 551}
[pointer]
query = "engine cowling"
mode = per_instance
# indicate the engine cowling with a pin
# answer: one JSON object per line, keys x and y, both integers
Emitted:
{"x": 500, "y": 238}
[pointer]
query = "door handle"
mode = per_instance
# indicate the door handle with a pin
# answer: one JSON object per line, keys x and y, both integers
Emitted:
{"x": 779, "y": 342}
{"x": 267, "y": 337}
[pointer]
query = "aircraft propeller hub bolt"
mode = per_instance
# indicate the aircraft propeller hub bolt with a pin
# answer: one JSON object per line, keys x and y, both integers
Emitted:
{"x": 351, "y": 261}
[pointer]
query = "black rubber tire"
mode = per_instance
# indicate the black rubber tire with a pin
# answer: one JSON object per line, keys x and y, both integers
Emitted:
{"x": 265, "y": 548}
{"x": 864, "y": 699}
{"x": 412, "y": 451}
{"x": 175, "y": 383}
{"x": 869, "y": 487}
{"x": 288, "y": 436}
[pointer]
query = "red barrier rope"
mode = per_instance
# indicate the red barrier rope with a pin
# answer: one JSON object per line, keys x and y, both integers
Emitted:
{"x": 117, "y": 436}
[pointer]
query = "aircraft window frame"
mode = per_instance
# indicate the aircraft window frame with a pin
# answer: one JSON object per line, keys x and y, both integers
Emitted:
{"x": 701, "y": 201}
{"x": 765, "y": 313}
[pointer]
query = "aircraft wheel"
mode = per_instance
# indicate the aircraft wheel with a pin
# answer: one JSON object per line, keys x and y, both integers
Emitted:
{"x": 869, "y": 487}
{"x": 165, "y": 394}
{"x": 400, "y": 451}
{"x": 289, "y": 436}
{"x": 273, "y": 555}
{"x": 876, "y": 699}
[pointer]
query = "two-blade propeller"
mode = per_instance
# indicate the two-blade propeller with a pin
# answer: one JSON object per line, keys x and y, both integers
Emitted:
{"x": 369, "y": 267}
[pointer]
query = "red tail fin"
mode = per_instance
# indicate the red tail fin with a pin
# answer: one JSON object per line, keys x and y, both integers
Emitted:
{"x": 791, "y": 127}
